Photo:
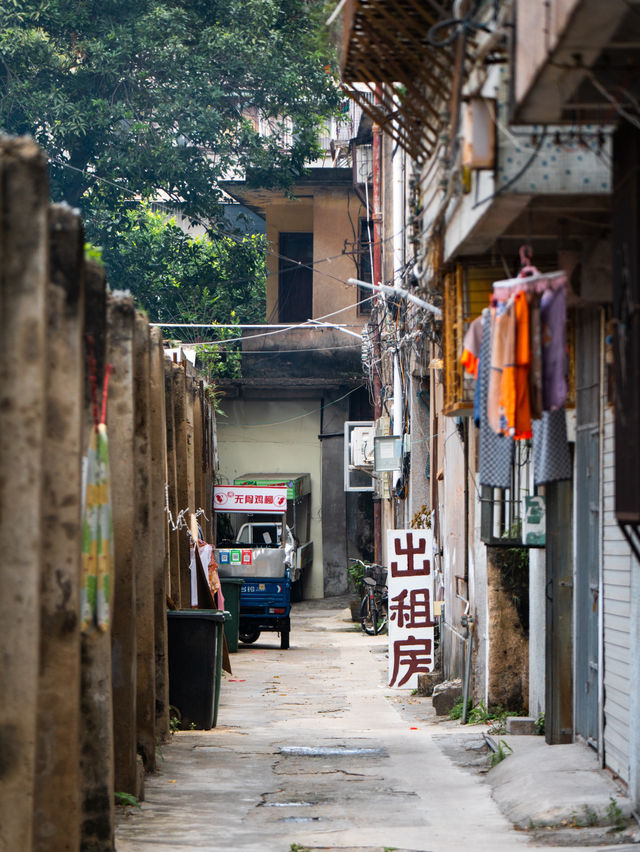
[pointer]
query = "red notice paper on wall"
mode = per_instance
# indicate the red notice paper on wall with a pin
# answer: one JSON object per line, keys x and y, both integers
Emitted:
{"x": 411, "y": 620}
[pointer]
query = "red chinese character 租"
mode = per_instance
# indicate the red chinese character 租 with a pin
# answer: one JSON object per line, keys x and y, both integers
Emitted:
{"x": 414, "y": 613}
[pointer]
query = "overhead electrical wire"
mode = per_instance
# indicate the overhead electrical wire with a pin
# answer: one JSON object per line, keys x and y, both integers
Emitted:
{"x": 292, "y": 419}
{"x": 217, "y": 230}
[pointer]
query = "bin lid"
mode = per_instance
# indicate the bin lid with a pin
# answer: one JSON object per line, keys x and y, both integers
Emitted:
{"x": 298, "y": 484}
{"x": 208, "y": 614}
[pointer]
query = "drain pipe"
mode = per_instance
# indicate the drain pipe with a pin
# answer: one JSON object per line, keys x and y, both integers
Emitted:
{"x": 467, "y": 621}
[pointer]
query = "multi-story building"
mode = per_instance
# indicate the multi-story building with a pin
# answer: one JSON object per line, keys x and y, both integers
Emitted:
{"x": 506, "y": 135}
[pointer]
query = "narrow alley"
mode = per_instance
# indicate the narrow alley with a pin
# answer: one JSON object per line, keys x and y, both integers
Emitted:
{"x": 313, "y": 751}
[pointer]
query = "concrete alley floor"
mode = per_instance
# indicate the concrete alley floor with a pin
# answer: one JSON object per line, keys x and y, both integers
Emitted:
{"x": 313, "y": 751}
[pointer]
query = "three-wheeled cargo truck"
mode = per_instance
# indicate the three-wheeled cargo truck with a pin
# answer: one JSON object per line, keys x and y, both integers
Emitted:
{"x": 255, "y": 540}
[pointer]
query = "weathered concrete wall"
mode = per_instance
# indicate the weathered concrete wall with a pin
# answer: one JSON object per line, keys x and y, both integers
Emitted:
{"x": 273, "y": 435}
{"x": 80, "y": 705}
{"x": 508, "y": 675}
{"x": 334, "y": 504}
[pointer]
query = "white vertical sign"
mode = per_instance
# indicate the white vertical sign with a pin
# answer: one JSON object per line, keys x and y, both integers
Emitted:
{"x": 411, "y": 621}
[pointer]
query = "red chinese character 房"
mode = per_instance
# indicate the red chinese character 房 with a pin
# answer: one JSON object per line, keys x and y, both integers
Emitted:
{"x": 413, "y": 655}
{"x": 412, "y": 567}
{"x": 414, "y": 613}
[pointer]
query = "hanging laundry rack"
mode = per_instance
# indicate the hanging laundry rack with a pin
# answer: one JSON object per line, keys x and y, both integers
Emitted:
{"x": 546, "y": 279}
{"x": 529, "y": 278}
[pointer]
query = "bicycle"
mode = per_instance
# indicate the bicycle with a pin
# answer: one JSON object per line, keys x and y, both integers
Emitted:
{"x": 374, "y": 609}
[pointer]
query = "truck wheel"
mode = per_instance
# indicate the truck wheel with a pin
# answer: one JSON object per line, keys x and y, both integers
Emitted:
{"x": 284, "y": 640}
{"x": 249, "y": 637}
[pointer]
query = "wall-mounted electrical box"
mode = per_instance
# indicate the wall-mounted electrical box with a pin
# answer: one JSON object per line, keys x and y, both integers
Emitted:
{"x": 478, "y": 133}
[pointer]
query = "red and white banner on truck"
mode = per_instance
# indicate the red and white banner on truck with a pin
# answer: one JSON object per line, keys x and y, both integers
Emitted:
{"x": 250, "y": 498}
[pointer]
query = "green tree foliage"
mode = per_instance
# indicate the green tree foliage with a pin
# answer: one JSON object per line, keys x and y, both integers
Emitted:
{"x": 164, "y": 95}
{"x": 179, "y": 278}
{"x": 164, "y": 99}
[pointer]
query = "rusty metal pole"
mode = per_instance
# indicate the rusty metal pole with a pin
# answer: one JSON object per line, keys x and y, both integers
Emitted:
{"x": 377, "y": 279}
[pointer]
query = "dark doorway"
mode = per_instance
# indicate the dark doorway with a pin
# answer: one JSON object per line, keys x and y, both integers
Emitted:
{"x": 295, "y": 285}
{"x": 365, "y": 265}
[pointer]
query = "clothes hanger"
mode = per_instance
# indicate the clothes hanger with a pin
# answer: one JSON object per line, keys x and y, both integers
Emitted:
{"x": 529, "y": 278}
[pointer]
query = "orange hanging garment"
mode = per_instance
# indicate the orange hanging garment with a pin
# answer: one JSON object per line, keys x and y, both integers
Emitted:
{"x": 515, "y": 400}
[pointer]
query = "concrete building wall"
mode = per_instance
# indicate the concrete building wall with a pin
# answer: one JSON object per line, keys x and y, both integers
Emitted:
{"x": 326, "y": 215}
{"x": 331, "y": 228}
{"x": 618, "y": 567}
{"x": 274, "y": 435}
{"x": 539, "y": 26}
{"x": 453, "y": 543}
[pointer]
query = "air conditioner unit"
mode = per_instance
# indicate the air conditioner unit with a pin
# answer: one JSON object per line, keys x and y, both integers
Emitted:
{"x": 362, "y": 446}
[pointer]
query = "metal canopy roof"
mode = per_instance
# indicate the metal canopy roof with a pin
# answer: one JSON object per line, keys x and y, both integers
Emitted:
{"x": 386, "y": 52}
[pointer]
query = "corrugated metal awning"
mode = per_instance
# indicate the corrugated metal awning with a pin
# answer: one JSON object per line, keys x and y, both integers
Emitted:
{"x": 386, "y": 52}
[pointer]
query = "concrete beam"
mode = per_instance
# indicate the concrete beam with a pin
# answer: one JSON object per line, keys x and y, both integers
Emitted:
{"x": 23, "y": 289}
{"x": 96, "y": 740}
{"x": 172, "y": 485}
{"x": 183, "y": 490}
{"x": 57, "y": 809}
{"x": 158, "y": 535}
{"x": 142, "y": 552}
{"x": 123, "y": 490}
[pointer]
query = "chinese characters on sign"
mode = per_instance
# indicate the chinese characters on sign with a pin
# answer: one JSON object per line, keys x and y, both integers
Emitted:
{"x": 250, "y": 498}
{"x": 411, "y": 621}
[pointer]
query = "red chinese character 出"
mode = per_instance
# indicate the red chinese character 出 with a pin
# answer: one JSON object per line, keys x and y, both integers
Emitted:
{"x": 410, "y": 551}
{"x": 413, "y": 653}
{"x": 414, "y": 614}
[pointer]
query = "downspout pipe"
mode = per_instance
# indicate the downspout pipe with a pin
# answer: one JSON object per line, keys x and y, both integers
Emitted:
{"x": 398, "y": 410}
{"x": 377, "y": 278}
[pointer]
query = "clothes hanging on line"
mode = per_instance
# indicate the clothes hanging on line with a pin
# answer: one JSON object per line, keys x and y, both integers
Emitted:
{"x": 521, "y": 370}
{"x": 551, "y": 459}
{"x": 528, "y": 351}
{"x": 495, "y": 451}
{"x": 471, "y": 347}
{"x": 553, "y": 323}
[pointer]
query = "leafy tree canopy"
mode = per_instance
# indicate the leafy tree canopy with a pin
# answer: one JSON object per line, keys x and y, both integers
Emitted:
{"x": 180, "y": 278}
{"x": 162, "y": 100}
{"x": 164, "y": 96}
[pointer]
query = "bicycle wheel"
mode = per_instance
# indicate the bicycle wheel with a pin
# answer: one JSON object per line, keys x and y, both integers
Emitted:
{"x": 366, "y": 615}
{"x": 382, "y": 614}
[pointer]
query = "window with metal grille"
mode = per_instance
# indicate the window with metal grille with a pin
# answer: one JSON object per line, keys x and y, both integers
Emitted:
{"x": 502, "y": 510}
{"x": 466, "y": 292}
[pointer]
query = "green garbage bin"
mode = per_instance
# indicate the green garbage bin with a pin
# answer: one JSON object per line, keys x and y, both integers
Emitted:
{"x": 231, "y": 587}
{"x": 195, "y": 664}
